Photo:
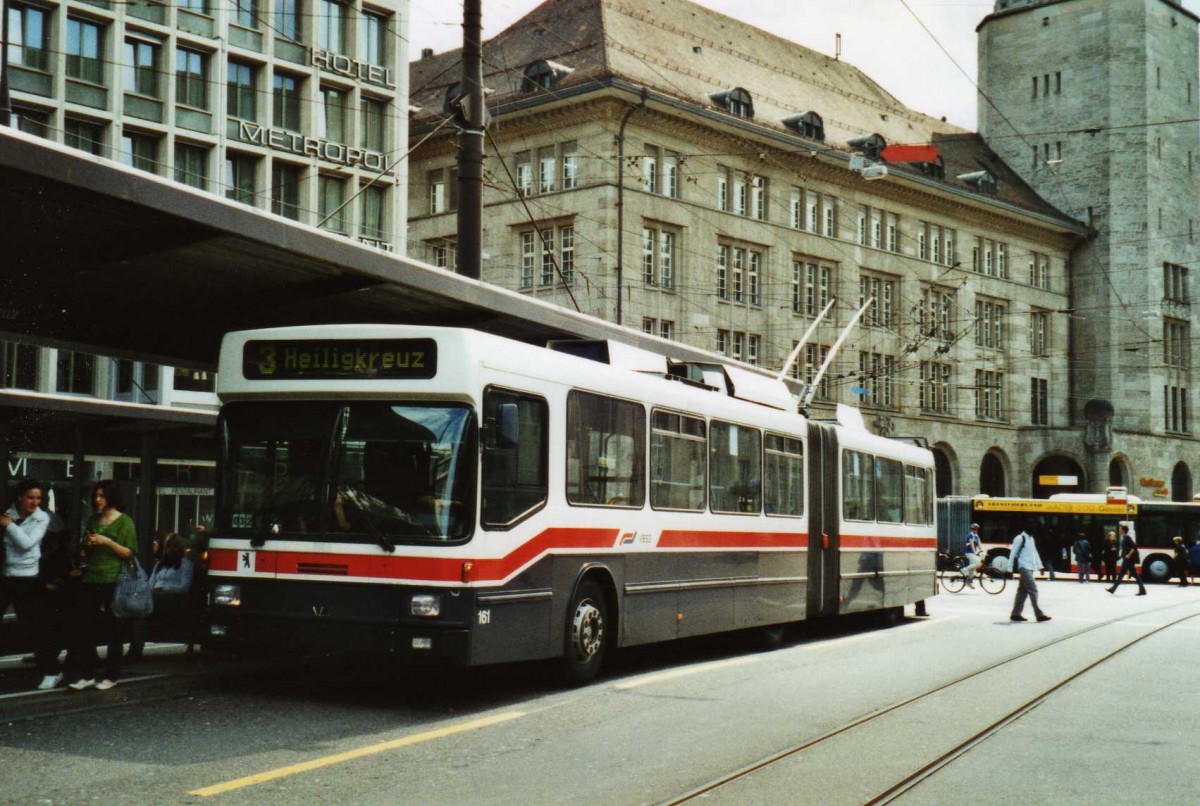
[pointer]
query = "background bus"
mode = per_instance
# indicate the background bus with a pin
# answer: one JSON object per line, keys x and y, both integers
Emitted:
{"x": 1058, "y": 521}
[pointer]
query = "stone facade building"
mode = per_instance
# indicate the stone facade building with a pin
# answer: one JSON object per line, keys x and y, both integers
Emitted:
{"x": 1094, "y": 103}
{"x": 692, "y": 176}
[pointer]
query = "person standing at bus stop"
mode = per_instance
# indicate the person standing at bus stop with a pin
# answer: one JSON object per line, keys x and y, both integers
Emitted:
{"x": 1111, "y": 552}
{"x": 1083, "y": 558}
{"x": 1181, "y": 561}
{"x": 1025, "y": 562}
{"x": 1129, "y": 559}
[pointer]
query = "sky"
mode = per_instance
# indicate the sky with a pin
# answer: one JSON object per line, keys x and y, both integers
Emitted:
{"x": 880, "y": 37}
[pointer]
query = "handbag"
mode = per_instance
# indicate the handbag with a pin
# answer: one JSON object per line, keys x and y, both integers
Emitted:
{"x": 131, "y": 596}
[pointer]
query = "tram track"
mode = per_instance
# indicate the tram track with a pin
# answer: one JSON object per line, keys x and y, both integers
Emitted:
{"x": 947, "y": 757}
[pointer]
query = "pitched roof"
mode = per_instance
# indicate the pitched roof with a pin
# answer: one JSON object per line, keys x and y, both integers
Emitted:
{"x": 691, "y": 53}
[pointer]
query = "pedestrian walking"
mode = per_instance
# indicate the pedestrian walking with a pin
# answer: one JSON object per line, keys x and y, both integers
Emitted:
{"x": 1111, "y": 552}
{"x": 1025, "y": 562}
{"x": 1083, "y": 558}
{"x": 1181, "y": 561}
{"x": 1129, "y": 559}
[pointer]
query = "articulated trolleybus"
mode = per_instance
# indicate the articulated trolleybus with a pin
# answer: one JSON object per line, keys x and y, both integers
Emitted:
{"x": 442, "y": 493}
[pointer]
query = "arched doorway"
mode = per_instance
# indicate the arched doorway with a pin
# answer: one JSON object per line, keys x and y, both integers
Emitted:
{"x": 991, "y": 476}
{"x": 1062, "y": 474}
{"x": 1118, "y": 473}
{"x": 945, "y": 476}
{"x": 1181, "y": 483}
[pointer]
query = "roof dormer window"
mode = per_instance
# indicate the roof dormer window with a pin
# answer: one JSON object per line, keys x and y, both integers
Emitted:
{"x": 872, "y": 145}
{"x": 543, "y": 75}
{"x": 736, "y": 102}
{"x": 935, "y": 169}
{"x": 809, "y": 125}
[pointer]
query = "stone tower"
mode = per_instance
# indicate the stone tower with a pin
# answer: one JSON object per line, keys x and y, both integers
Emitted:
{"x": 1095, "y": 102}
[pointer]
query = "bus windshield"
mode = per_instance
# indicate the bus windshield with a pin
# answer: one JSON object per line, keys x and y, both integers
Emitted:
{"x": 359, "y": 472}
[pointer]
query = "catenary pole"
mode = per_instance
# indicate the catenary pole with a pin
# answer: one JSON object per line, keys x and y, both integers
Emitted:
{"x": 472, "y": 123}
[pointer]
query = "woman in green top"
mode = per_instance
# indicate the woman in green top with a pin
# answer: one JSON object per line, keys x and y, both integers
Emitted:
{"x": 109, "y": 539}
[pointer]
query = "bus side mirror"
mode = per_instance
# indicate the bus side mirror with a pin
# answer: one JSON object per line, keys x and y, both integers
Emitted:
{"x": 509, "y": 426}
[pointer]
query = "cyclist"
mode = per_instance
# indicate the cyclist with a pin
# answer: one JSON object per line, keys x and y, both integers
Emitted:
{"x": 974, "y": 555}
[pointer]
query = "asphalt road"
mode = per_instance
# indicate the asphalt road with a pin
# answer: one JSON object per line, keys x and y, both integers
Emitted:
{"x": 873, "y": 705}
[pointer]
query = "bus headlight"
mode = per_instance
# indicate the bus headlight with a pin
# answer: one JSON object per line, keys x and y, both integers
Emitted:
{"x": 426, "y": 604}
{"x": 227, "y": 595}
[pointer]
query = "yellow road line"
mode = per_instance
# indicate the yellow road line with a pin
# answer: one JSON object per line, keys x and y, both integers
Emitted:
{"x": 686, "y": 670}
{"x": 350, "y": 755}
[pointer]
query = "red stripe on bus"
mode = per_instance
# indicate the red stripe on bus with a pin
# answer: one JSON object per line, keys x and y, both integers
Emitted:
{"x": 674, "y": 539}
{"x": 878, "y": 542}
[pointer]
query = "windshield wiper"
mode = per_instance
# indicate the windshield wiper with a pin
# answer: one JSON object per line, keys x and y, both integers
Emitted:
{"x": 380, "y": 538}
{"x": 260, "y": 539}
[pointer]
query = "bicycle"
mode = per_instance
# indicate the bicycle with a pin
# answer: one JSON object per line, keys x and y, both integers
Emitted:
{"x": 952, "y": 578}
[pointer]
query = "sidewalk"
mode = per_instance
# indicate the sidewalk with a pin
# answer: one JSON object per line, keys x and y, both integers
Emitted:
{"x": 164, "y": 670}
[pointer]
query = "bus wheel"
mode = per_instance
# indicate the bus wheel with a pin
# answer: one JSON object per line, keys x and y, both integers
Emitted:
{"x": 1157, "y": 568}
{"x": 586, "y": 633}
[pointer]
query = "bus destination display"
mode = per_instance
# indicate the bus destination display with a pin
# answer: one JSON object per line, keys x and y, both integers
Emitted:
{"x": 359, "y": 359}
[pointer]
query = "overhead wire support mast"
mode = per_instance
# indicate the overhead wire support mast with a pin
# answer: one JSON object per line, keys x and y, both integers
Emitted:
{"x": 811, "y": 391}
{"x": 471, "y": 118}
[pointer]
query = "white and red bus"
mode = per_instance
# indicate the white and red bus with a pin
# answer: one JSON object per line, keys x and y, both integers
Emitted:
{"x": 443, "y": 493}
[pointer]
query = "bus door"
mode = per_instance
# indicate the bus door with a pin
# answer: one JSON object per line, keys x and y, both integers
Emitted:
{"x": 823, "y": 534}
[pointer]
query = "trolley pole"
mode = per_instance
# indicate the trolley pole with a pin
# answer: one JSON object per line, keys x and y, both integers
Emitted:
{"x": 472, "y": 123}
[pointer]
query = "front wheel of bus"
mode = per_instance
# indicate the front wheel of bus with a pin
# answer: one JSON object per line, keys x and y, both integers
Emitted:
{"x": 587, "y": 634}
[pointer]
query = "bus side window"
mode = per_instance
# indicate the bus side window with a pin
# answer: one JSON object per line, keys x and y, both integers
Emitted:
{"x": 515, "y": 477}
{"x": 606, "y": 451}
{"x": 858, "y": 486}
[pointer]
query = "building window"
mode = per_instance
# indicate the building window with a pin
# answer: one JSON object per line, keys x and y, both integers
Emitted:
{"x": 371, "y": 205}
{"x": 934, "y": 316}
{"x": 736, "y": 102}
{"x": 876, "y": 377}
{"x": 76, "y": 373}
{"x": 331, "y": 200}
{"x": 722, "y": 272}
{"x": 194, "y": 6}
{"x": 329, "y": 26}
{"x": 989, "y": 324}
{"x": 372, "y": 39}
{"x": 658, "y": 257}
{"x": 547, "y": 170}
{"x": 285, "y": 190}
{"x": 541, "y": 75}
{"x": 660, "y": 171}
{"x": 1175, "y": 403}
{"x": 191, "y": 78}
{"x": 664, "y": 328}
{"x": 29, "y": 37}
{"x": 287, "y": 19}
{"x": 883, "y": 290}
{"x": 796, "y": 209}
{"x": 443, "y": 253}
{"x": 893, "y": 233}
{"x": 333, "y": 115}
{"x": 554, "y": 264}
{"x": 286, "y": 101}
{"x": 528, "y": 256}
{"x": 239, "y": 177}
{"x": 723, "y": 189}
{"x": 722, "y": 342}
{"x": 524, "y": 173}
{"x": 829, "y": 216}
{"x": 374, "y": 120}
{"x": 1039, "y": 270}
{"x": 443, "y": 189}
{"x": 1039, "y": 333}
{"x": 811, "y": 286}
{"x": 989, "y": 394}
{"x": 141, "y": 67}
{"x": 739, "y": 181}
{"x": 245, "y": 13}
{"x": 85, "y": 50}
{"x": 1039, "y": 401}
{"x": 1176, "y": 347}
{"x": 758, "y": 197}
{"x": 570, "y": 165}
{"x": 84, "y": 135}
{"x": 191, "y": 165}
{"x": 935, "y": 389}
{"x": 1175, "y": 282}
{"x": 18, "y": 365}
{"x": 32, "y": 121}
{"x": 139, "y": 151}
{"x": 242, "y": 96}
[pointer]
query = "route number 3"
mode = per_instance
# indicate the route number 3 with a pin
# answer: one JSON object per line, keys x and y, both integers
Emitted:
{"x": 485, "y": 617}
